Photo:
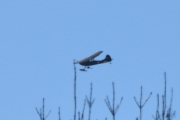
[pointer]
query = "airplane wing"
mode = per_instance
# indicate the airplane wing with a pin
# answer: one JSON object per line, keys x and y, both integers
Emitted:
{"x": 95, "y": 55}
{"x": 90, "y": 57}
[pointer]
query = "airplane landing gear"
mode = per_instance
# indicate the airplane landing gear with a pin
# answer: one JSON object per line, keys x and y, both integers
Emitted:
{"x": 86, "y": 67}
{"x": 83, "y": 70}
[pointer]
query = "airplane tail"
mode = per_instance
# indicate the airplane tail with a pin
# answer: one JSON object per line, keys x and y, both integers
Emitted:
{"x": 108, "y": 58}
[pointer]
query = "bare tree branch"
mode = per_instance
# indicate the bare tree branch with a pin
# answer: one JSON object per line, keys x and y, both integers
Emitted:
{"x": 140, "y": 105}
{"x": 74, "y": 91}
{"x": 112, "y": 108}
{"x": 90, "y": 102}
{"x": 41, "y": 112}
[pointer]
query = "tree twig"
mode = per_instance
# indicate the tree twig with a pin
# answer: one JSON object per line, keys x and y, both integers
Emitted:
{"x": 74, "y": 91}
{"x": 112, "y": 108}
{"x": 140, "y": 104}
{"x": 90, "y": 102}
{"x": 41, "y": 112}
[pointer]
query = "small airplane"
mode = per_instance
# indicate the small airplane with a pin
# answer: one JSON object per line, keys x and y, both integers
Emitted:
{"x": 89, "y": 61}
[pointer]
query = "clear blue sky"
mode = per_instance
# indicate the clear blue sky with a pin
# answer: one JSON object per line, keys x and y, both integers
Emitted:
{"x": 40, "y": 38}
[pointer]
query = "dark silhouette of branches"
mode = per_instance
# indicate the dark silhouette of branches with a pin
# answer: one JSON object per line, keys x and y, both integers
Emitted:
{"x": 90, "y": 102}
{"x": 81, "y": 116}
{"x": 74, "y": 91}
{"x": 41, "y": 112}
{"x": 166, "y": 114}
{"x": 169, "y": 114}
{"x": 140, "y": 104}
{"x": 112, "y": 109}
{"x": 157, "y": 117}
{"x": 164, "y": 99}
{"x": 59, "y": 114}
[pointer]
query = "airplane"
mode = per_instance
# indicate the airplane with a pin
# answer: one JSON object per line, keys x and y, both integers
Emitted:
{"x": 89, "y": 61}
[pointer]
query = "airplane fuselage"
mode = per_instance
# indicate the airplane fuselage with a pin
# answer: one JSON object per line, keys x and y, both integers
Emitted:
{"x": 94, "y": 62}
{"x": 89, "y": 61}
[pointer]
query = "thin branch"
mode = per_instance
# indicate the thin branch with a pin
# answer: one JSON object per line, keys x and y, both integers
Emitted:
{"x": 82, "y": 115}
{"x": 164, "y": 99}
{"x": 170, "y": 114}
{"x": 59, "y": 114}
{"x": 140, "y": 105}
{"x": 157, "y": 110}
{"x": 47, "y": 115}
{"x": 90, "y": 102}
{"x": 167, "y": 114}
{"x": 112, "y": 108}
{"x": 147, "y": 99}
{"x": 41, "y": 112}
{"x": 113, "y": 112}
{"x": 74, "y": 91}
{"x": 117, "y": 107}
{"x": 79, "y": 116}
{"x": 136, "y": 102}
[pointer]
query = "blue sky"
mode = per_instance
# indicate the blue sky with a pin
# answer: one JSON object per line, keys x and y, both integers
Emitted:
{"x": 39, "y": 39}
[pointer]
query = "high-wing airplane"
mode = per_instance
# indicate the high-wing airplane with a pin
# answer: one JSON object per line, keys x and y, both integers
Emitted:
{"x": 89, "y": 61}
